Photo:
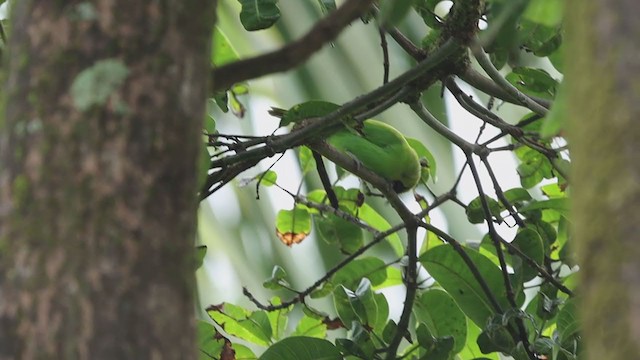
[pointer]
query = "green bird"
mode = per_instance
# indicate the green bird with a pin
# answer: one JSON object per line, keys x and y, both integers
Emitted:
{"x": 383, "y": 150}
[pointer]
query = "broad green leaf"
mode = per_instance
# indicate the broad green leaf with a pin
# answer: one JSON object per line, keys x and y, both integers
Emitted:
{"x": 546, "y": 12}
{"x": 208, "y": 344}
{"x": 533, "y": 81}
{"x": 374, "y": 219}
{"x": 335, "y": 230}
{"x": 302, "y": 348}
{"x": 426, "y": 9}
{"x": 453, "y": 274}
{"x": 278, "y": 319}
{"x": 258, "y": 14}
{"x": 475, "y": 211}
{"x": 540, "y": 39}
{"x": 351, "y": 348}
{"x": 393, "y": 11}
{"x": 557, "y": 59}
{"x": 534, "y": 167}
{"x": 352, "y": 201}
{"x": 530, "y": 243}
{"x": 222, "y": 52}
{"x": 471, "y": 349}
{"x": 343, "y": 306}
{"x": 389, "y": 331}
{"x": 568, "y": 323}
{"x": 394, "y": 277}
{"x": 372, "y": 268}
{"x": 310, "y": 326}
{"x": 554, "y": 121}
{"x": 496, "y": 338}
{"x": 201, "y": 251}
{"x": 253, "y": 327}
{"x": 307, "y": 110}
{"x": 210, "y": 124}
{"x": 427, "y": 160}
{"x": 372, "y": 309}
{"x": 277, "y": 279}
{"x": 268, "y": 178}
{"x": 440, "y": 313}
{"x": 293, "y": 226}
{"x": 517, "y": 196}
{"x": 307, "y": 162}
{"x": 561, "y": 205}
{"x": 243, "y": 353}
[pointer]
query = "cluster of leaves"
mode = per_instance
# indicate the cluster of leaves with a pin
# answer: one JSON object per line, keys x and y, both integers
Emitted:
{"x": 464, "y": 301}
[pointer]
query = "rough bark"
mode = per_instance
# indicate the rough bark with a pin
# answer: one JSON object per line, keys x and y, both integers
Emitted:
{"x": 98, "y": 194}
{"x": 603, "y": 74}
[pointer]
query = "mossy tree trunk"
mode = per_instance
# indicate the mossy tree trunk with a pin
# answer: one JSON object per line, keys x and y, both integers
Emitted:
{"x": 603, "y": 74}
{"x": 99, "y": 144}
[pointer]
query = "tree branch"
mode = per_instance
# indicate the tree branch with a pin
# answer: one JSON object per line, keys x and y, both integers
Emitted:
{"x": 292, "y": 54}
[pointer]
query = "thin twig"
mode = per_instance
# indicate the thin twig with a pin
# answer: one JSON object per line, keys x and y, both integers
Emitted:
{"x": 495, "y": 75}
{"x": 293, "y": 54}
{"x": 385, "y": 55}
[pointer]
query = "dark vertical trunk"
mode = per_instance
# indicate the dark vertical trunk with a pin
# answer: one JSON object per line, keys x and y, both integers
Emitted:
{"x": 603, "y": 62}
{"x": 99, "y": 144}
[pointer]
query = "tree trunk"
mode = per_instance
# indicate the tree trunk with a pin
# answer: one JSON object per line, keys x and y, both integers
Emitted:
{"x": 604, "y": 112}
{"x": 99, "y": 146}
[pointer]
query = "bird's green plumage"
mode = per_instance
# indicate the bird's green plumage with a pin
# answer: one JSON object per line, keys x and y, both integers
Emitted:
{"x": 382, "y": 149}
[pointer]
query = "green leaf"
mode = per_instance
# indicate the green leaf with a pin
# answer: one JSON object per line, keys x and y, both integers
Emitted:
{"x": 222, "y": 52}
{"x": 375, "y": 307}
{"x": 201, "y": 251}
{"x": 95, "y": 85}
{"x": 540, "y": 39}
{"x": 374, "y": 219}
{"x": 268, "y": 178}
{"x": 373, "y": 268}
{"x": 534, "y": 167}
{"x": 335, "y": 230}
{"x": 393, "y": 11}
{"x": 426, "y": 10}
{"x": 533, "y": 81}
{"x": 305, "y": 157}
{"x": 567, "y": 322}
{"x": 210, "y": 124}
{"x": 496, "y": 338}
{"x": 517, "y": 196}
{"x": 236, "y": 321}
{"x": 561, "y": 205}
{"x": 310, "y": 326}
{"x": 344, "y": 307}
{"x": 530, "y": 243}
{"x": 207, "y": 343}
{"x": 277, "y": 280}
{"x": 302, "y": 348}
{"x": 440, "y": 313}
{"x": 293, "y": 226}
{"x": 427, "y": 161}
{"x": 258, "y": 14}
{"x": 306, "y": 110}
{"x": 546, "y": 12}
{"x": 475, "y": 211}
{"x": 278, "y": 319}
{"x": 453, "y": 274}
{"x": 554, "y": 121}
{"x": 471, "y": 349}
